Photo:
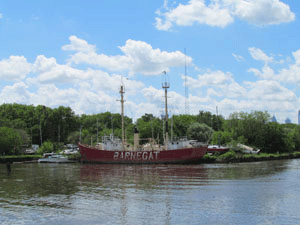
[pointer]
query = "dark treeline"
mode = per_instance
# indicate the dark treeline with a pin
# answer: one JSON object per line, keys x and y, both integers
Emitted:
{"x": 24, "y": 125}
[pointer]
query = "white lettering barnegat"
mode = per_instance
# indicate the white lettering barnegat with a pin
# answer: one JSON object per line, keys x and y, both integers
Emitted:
{"x": 140, "y": 156}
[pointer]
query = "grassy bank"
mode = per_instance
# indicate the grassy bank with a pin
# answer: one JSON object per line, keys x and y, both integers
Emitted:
{"x": 234, "y": 157}
{"x": 18, "y": 158}
{"x": 24, "y": 158}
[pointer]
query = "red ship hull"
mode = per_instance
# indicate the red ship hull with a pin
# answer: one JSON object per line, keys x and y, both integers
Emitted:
{"x": 92, "y": 154}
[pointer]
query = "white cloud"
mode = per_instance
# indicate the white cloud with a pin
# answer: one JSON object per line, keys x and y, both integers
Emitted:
{"x": 139, "y": 57}
{"x": 268, "y": 90}
{"x": 296, "y": 55}
{"x": 91, "y": 90}
{"x": 266, "y": 73}
{"x": 258, "y": 54}
{"x": 210, "y": 78}
{"x": 194, "y": 12}
{"x": 17, "y": 93}
{"x": 238, "y": 58}
{"x": 79, "y": 45}
{"x": 221, "y": 13}
{"x": 112, "y": 82}
{"x": 261, "y": 12}
{"x": 48, "y": 70}
{"x": 289, "y": 74}
{"x": 222, "y": 83}
{"x": 50, "y": 95}
{"x": 15, "y": 68}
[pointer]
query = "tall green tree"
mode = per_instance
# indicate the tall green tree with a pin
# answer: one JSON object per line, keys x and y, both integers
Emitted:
{"x": 181, "y": 123}
{"x": 249, "y": 126}
{"x": 212, "y": 120}
{"x": 10, "y": 141}
{"x": 150, "y": 127}
{"x": 200, "y": 132}
{"x": 221, "y": 138}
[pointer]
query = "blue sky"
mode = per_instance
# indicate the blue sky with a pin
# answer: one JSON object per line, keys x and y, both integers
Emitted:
{"x": 241, "y": 55}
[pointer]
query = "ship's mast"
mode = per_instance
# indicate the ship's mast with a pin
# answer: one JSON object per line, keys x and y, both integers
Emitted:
{"x": 166, "y": 85}
{"x": 186, "y": 87}
{"x": 122, "y": 113}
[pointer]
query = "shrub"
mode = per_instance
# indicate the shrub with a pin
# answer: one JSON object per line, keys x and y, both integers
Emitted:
{"x": 46, "y": 147}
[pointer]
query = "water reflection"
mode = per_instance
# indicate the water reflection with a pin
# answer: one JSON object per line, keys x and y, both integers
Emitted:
{"x": 149, "y": 194}
{"x": 245, "y": 170}
{"x": 141, "y": 176}
{"x": 41, "y": 180}
{"x": 158, "y": 176}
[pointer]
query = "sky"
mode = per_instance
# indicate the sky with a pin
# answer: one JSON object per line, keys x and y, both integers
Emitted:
{"x": 221, "y": 56}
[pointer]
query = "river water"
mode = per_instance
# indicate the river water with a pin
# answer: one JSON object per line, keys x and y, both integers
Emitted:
{"x": 242, "y": 193}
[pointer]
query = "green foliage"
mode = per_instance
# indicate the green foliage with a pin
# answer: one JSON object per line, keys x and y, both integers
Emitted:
{"x": 254, "y": 129}
{"x": 10, "y": 141}
{"x": 106, "y": 124}
{"x": 27, "y": 124}
{"x": 73, "y": 137}
{"x": 230, "y": 155}
{"x": 182, "y": 123}
{"x": 75, "y": 156}
{"x": 200, "y": 132}
{"x": 46, "y": 147}
{"x": 249, "y": 125}
{"x": 20, "y": 156}
{"x": 274, "y": 139}
{"x": 150, "y": 127}
{"x": 211, "y": 120}
{"x": 221, "y": 138}
{"x": 296, "y": 137}
{"x": 51, "y": 123}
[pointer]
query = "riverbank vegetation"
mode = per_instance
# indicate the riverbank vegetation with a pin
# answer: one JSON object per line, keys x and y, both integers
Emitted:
{"x": 19, "y": 158}
{"x": 233, "y": 157}
{"x": 24, "y": 125}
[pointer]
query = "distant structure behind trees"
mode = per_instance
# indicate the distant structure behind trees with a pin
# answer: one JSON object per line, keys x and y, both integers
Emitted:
{"x": 288, "y": 121}
{"x": 273, "y": 119}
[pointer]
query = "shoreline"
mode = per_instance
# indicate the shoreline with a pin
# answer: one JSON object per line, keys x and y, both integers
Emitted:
{"x": 233, "y": 157}
{"x": 229, "y": 157}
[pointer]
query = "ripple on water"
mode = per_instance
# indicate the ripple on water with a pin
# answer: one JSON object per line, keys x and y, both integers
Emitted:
{"x": 259, "y": 193}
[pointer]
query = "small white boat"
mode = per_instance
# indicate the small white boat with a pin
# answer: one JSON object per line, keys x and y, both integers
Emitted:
{"x": 217, "y": 148}
{"x": 53, "y": 158}
{"x": 248, "y": 150}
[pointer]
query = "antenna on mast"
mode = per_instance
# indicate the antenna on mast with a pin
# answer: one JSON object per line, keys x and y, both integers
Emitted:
{"x": 166, "y": 85}
{"x": 122, "y": 91}
{"x": 186, "y": 88}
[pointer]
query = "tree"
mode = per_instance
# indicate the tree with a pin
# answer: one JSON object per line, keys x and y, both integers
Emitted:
{"x": 149, "y": 125}
{"x": 214, "y": 121}
{"x": 274, "y": 138}
{"x": 296, "y": 138}
{"x": 10, "y": 141}
{"x": 182, "y": 123}
{"x": 200, "y": 132}
{"x": 221, "y": 137}
{"x": 46, "y": 147}
{"x": 249, "y": 127}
